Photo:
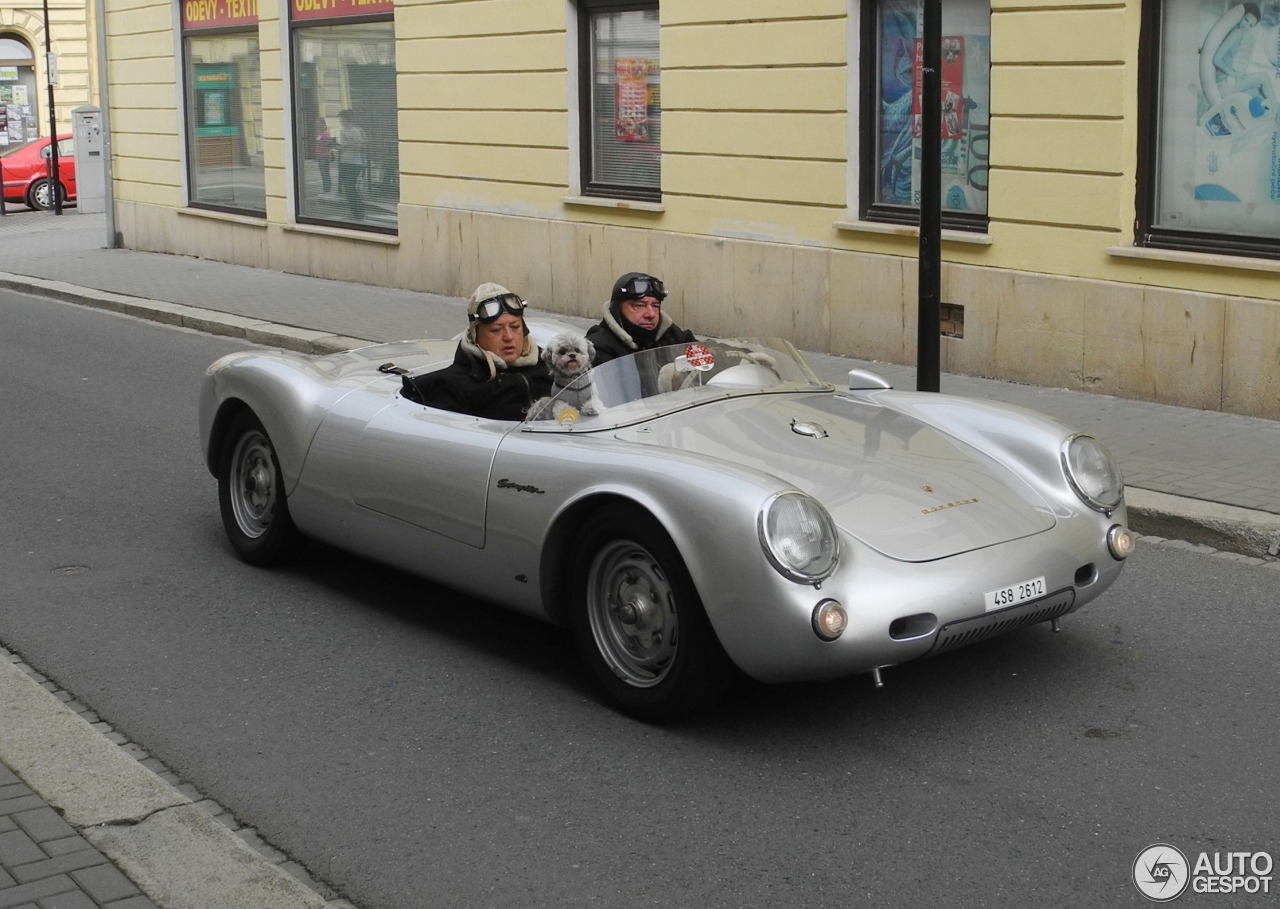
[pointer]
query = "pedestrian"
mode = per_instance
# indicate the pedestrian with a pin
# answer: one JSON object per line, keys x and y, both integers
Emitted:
{"x": 351, "y": 162}
{"x": 323, "y": 153}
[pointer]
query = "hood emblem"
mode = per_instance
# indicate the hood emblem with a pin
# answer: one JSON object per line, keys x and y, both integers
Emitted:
{"x": 955, "y": 504}
{"x": 810, "y": 430}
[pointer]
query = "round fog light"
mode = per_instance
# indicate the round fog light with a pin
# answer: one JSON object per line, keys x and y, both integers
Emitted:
{"x": 829, "y": 620}
{"x": 1122, "y": 542}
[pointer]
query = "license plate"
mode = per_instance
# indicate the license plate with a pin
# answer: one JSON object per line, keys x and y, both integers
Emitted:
{"x": 1030, "y": 589}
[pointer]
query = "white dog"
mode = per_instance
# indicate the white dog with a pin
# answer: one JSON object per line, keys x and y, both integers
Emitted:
{"x": 568, "y": 356}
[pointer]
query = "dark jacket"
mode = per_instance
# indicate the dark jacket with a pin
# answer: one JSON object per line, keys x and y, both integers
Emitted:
{"x": 477, "y": 385}
{"x": 612, "y": 338}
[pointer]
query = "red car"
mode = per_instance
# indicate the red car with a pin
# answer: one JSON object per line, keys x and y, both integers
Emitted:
{"x": 26, "y": 172}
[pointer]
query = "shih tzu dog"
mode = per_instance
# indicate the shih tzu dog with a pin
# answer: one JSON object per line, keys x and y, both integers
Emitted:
{"x": 568, "y": 356}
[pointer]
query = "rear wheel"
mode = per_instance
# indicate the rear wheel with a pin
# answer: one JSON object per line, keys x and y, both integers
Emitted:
{"x": 638, "y": 621}
{"x": 40, "y": 195}
{"x": 251, "y": 496}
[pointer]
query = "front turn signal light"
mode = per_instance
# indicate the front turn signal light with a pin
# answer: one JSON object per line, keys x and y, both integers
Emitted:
{"x": 1121, "y": 541}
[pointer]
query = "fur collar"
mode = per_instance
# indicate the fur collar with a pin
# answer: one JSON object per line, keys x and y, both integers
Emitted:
{"x": 664, "y": 323}
{"x": 528, "y": 356}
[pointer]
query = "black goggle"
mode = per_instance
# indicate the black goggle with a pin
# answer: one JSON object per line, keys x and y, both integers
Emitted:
{"x": 644, "y": 286}
{"x": 489, "y": 309}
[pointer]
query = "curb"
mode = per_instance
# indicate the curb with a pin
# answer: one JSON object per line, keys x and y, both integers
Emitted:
{"x": 175, "y": 851}
{"x": 254, "y": 331}
{"x": 1212, "y": 524}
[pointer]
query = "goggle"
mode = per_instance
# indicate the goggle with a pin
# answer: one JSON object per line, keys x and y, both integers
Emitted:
{"x": 489, "y": 309}
{"x": 643, "y": 286}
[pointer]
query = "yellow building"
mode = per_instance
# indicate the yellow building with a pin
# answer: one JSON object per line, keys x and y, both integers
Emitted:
{"x": 24, "y": 73}
{"x": 1111, "y": 193}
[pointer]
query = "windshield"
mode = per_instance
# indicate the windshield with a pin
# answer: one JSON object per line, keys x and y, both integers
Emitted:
{"x": 644, "y": 385}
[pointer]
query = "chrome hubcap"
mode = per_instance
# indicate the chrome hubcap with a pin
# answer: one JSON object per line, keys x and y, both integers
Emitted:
{"x": 253, "y": 484}
{"x": 632, "y": 610}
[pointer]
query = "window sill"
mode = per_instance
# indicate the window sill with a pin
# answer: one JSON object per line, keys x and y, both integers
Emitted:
{"x": 910, "y": 230}
{"x": 1180, "y": 257}
{"x": 246, "y": 220}
{"x": 346, "y": 233}
{"x": 620, "y": 204}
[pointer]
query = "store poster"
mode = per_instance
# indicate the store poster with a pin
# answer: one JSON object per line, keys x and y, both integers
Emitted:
{"x": 17, "y": 119}
{"x": 631, "y": 82}
{"x": 1237, "y": 104}
{"x": 965, "y": 78}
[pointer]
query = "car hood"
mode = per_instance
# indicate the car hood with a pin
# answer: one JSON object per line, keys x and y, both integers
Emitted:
{"x": 893, "y": 482}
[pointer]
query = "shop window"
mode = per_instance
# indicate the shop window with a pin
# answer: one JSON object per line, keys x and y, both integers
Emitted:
{"x": 346, "y": 138}
{"x": 620, "y": 103}
{"x": 892, "y": 54}
{"x": 19, "y": 116}
{"x": 224, "y": 107}
{"x": 1210, "y": 82}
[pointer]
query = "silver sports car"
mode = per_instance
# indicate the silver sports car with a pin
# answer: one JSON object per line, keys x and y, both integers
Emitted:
{"x": 715, "y": 508}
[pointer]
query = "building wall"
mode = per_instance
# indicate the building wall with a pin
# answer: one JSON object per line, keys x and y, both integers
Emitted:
{"x": 756, "y": 232}
{"x": 71, "y": 39}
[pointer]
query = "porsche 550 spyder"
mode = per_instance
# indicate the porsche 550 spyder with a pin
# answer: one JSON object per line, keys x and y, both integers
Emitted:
{"x": 721, "y": 511}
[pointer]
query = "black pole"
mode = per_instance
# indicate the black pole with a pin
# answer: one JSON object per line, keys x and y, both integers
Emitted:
{"x": 929, "y": 330}
{"x": 55, "y": 181}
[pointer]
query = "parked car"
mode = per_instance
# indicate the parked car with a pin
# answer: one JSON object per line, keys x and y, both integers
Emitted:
{"x": 749, "y": 518}
{"x": 26, "y": 172}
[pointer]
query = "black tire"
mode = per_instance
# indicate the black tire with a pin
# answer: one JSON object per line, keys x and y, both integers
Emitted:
{"x": 40, "y": 196}
{"x": 638, "y": 621}
{"x": 251, "y": 496}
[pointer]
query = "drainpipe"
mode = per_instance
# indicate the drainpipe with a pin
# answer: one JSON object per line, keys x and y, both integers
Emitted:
{"x": 100, "y": 21}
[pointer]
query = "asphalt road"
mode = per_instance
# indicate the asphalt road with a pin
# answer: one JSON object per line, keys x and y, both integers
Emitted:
{"x": 413, "y": 747}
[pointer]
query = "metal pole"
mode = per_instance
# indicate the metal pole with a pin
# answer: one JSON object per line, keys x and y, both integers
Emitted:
{"x": 55, "y": 181}
{"x": 929, "y": 330}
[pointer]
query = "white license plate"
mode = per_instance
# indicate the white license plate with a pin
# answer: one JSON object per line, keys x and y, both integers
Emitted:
{"x": 1004, "y": 597}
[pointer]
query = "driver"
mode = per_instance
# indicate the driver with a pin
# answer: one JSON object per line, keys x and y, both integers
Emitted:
{"x": 497, "y": 371}
{"x": 634, "y": 320}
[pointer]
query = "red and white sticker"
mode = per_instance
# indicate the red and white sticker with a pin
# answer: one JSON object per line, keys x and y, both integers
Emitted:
{"x": 700, "y": 357}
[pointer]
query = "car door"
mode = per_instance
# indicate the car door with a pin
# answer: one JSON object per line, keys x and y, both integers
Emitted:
{"x": 429, "y": 467}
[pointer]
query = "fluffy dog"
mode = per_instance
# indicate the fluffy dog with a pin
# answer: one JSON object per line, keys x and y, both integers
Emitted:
{"x": 568, "y": 356}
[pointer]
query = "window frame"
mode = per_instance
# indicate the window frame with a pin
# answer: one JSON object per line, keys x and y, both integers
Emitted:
{"x": 869, "y": 208}
{"x": 586, "y": 114}
{"x": 191, "y": 102}
{"x": 299, "y": 130}
{"x": 1147, "y": 232}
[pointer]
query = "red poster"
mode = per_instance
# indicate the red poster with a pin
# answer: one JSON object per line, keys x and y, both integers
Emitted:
{"x": 631, "y": 121}
{"x": 952, "y": 77}
{"x": 952, "y": 87}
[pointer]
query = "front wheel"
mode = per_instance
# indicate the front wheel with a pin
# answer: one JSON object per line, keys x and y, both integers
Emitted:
{"x": 638, "y": 620}
{"x": 251, "y": 496}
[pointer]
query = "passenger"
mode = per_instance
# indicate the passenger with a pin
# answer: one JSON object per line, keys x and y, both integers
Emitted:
{"x": 634, "y": 320}
{"x": 497, "y": 371}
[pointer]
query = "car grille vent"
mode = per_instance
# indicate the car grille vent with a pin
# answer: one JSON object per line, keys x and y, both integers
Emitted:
{"x": 969, "y": 631}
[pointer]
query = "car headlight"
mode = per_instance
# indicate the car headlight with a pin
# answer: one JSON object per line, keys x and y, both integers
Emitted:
{"x": 1092, "y": 472}
{"x": 798, "y": 536}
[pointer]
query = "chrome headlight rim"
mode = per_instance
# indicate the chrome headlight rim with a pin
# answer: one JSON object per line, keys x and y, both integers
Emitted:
{"x": 770, "y": 544}
{"x": 1105, "y": 500}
